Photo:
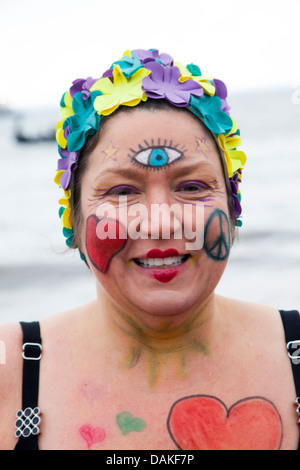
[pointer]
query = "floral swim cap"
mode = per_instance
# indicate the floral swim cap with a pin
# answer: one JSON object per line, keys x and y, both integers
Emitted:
{"x": 139, "y": 75}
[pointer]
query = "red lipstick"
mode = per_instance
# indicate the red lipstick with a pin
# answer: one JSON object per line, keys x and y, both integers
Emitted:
{"x": 165, "y": 274}
{"x": 155, "y": 253}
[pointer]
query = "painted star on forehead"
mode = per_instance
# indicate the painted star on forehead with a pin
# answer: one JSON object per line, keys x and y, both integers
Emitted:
{"x": 201, "y": 145}
{"x": 110, "y": 152}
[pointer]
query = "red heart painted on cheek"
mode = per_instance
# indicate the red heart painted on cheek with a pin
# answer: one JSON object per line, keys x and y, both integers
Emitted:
{"x": 101, "y": 250}
{"x": 202, "y": 422}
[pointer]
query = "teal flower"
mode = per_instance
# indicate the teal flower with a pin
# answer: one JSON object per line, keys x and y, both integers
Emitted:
{"x": 208, "y": 108}
{"x": 84, "y": 122}
{"x": 69, "y": 235}
{"x": 194, "y": 70}
{"x": 129, "y": 65}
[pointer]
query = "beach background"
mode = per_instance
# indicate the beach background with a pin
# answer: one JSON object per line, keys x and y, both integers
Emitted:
{"x": 39, "y": 276}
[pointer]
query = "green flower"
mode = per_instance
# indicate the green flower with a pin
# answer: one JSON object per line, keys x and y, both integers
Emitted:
{"x": 84, "y": 122}
{"x": 208, "y": 108}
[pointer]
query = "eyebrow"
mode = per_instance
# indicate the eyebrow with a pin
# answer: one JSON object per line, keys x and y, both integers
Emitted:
{"x": 176, "y": 170}
{"x": 128, "y": 172}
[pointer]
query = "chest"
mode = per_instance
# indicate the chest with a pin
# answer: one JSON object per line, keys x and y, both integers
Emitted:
{"x": 95, "y": 416}
{"x": 87, "y": 402}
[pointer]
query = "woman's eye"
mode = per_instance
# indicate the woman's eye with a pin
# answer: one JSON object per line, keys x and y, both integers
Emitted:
{"x": 193, "y": 187}
{"x": 157, "y": 157}
{"x": 122, "y": 191}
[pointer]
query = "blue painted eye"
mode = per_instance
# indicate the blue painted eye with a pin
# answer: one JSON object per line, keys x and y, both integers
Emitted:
{"x": 157, "y": 157}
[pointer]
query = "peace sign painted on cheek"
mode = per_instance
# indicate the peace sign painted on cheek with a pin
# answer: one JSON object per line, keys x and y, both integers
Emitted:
{"x": 217, "y": 236}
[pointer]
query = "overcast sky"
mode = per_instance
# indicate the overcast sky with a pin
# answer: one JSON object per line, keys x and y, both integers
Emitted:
{"x": 45, "y": 45}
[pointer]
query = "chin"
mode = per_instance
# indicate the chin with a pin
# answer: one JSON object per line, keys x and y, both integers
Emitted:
{"x": 158, "y": 305}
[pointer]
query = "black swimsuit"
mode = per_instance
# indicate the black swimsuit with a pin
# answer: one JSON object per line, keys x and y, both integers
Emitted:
{"x": 28, "y": 419}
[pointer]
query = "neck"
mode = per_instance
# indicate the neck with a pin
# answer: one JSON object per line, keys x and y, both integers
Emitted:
{"x": 169, "y": 338}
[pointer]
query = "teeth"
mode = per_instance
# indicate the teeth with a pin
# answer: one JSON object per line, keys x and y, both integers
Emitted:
{"x": 160, "y": 262}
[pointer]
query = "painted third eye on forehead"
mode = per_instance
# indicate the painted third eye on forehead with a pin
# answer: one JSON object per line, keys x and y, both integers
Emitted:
{"x": 156, "y": 157}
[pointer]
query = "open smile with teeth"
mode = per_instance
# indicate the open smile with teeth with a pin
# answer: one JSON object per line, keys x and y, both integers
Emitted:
{"x": 168, "y": 262}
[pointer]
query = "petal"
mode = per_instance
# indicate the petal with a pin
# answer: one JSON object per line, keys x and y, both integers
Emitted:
{"x": 148, "y": 84}
{"x": 138, "y": 76}
{"x": 104, "y": 85}
{"x": 57, "y": 177}
{"x": 62, "y": 164}
{"x": 207, "y": 87}
{"x": 166, "y": 59}
{"x": 238, "y": 159}
{"x": 177, "y": 97}
{"x": 65, "y": 179}
{"x": 157, "y": 71}
{"x": 221, "y": 89}
{"x": 60, "y": 138}
{"x": 76, "y": 86}
{"x": 106, "y": 104}
{"x": 76, "y": 140}
{"x": 172, "y": 75}
{"x": 66, "y": 218}
{"x": 119, "y": 78}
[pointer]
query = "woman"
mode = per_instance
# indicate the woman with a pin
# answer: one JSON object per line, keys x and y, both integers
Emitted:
{"x": 150, "y": 171}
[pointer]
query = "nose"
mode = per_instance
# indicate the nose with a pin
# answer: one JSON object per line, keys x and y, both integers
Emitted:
{"x": 162, "y": 219}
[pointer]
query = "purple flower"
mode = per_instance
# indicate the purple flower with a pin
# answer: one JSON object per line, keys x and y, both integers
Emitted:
{"x": 66, "y": 132}
{"x": 151, "y": 56}
{"x": 234, "y": 183}
{"x": 164, "y": 83}
{"x": 237, "y": 205}
{"x": 83, "y": 85}
{"x": 68, "y": 163}
{"x": 221, "y": 92}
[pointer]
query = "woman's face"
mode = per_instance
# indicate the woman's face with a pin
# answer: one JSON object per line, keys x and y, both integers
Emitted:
{"x": 155, "y": 216}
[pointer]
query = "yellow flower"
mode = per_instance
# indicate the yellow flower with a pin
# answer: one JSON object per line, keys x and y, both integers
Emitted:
{"x": 235, "y": 159}
{"x": 203, "y": 81}
{"x": 123, "y": 91}
{"x": 66, "y": 216}
{"x": 65, "y": 112}
{"x": 57, "y": 177}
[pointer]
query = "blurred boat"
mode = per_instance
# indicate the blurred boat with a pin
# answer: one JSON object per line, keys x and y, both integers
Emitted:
{"x": 37, "y": 125}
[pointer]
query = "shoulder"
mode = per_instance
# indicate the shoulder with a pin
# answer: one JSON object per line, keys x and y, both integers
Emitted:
{"x": 11, "y": 340}
{"x": 255, "y": 319}
{"x": 246, "y": 308}
{"x": 66, "y": 324}
{"x": 62, "y": 331}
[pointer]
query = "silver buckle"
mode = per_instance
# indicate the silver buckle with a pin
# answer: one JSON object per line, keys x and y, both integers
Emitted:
{"x": 32, "y": 358}
{"x": 289, "y": 344}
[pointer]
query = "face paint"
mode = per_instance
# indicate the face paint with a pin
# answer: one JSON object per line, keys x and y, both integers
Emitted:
{"x": 202, "y": 422}
{"x": 91, "y": 435}
{"x": 104, "y": 239}
{"x": 217, "y": 236}
{"x": 110, "y": 152}
{"x": 128, "y": 423}
{"x": 156, "y": 157}
{"x": 202, "y": 146}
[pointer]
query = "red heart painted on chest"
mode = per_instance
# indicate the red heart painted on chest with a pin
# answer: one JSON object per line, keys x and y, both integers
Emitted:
{"x": 92, "y": 435}
{"x": 203, "y": 422}
{"x": 104, "y": 239}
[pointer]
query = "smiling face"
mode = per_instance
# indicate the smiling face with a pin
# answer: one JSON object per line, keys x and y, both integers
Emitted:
{"x": 144, "y": 164}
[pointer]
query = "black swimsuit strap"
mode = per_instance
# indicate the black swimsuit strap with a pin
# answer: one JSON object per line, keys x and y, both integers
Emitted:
{"x": 291, "y": 325}
{"x": 30, "y": 387}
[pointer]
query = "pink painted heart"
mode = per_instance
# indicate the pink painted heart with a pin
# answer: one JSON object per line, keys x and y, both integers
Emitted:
{"x": 203, "y": 422}
{"x": 104, "y": 239}
{"x": 92, "y": 435}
